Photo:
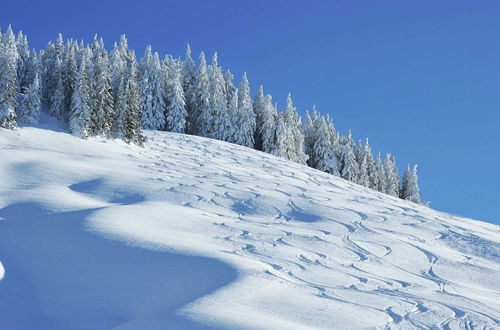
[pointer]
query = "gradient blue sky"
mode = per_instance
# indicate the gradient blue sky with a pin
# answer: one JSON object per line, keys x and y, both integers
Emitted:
{"x": 421, "y": 79}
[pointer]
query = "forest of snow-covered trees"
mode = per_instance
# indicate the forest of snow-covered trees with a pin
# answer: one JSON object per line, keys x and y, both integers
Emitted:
{"x": 112, "y": 94}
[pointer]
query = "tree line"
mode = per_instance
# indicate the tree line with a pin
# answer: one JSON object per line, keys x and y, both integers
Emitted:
{"x": 112, "y": 94}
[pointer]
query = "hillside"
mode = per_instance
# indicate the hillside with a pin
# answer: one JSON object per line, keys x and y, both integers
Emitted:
{"x": 190, "y": 232}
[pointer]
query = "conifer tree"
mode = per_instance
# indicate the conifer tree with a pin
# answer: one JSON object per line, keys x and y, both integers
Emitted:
{"x": 392, "y": 177}
{"x": 267, "y": 129}
{"x": 232, "y": 105}
{"x": 22, "y": 62}
{"x": 221, "y": 126}
{"x": 188, "y": 78}
{"x": 80, "y": 121}
{"x": 245, "y": 116}
{"x": 280, "y": 147}
{"x": 31, "y": 104}
{"x": 295, "y": 138}
{"x": 8, "y": 80}
{"x": 203, "y": 113}
{"x": 152, "y": 87}
{"x": 323, "y": 157}
{"x": 176, "y": 113}
{"x": 57, "y": 103}
{"x": 410, "y": 190}
{"x": 259, "y": 108}
{"x": 350, "y": 167}
{"x": 49, "y": 72}
{"x": 103, "y": 114}
{"x": 70, "y": 73}
{"x": 128, "y": 106}
{"x": 310, "y": 134}
{"x": 381, "y": 175}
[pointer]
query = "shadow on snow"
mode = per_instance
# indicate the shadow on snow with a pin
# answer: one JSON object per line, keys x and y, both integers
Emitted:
{"x": 60, "y": 276}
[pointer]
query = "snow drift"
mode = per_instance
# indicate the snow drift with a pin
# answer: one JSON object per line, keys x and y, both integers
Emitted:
{"x": 189, "y": 232}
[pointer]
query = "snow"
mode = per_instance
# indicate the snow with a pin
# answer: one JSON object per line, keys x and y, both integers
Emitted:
{"x": 190, "y": 232}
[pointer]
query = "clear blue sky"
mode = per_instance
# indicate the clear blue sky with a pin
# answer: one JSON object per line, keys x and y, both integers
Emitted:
{"x": 421, "y": 79}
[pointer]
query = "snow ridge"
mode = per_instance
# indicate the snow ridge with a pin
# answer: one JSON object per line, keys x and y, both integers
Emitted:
{"x": 203, "y": 233}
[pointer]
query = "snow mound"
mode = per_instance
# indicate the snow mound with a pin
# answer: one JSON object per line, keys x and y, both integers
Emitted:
{"x": 189, "y": 232}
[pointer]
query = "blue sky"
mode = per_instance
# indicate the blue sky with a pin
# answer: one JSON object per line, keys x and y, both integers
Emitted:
{"x": 420, "y": 79}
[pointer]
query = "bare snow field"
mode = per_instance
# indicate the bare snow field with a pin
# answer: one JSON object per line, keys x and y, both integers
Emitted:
{"x": 189, "y": 232}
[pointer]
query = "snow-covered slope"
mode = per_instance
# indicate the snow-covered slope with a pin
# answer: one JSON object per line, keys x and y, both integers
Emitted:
{"x": 189, "y": 232}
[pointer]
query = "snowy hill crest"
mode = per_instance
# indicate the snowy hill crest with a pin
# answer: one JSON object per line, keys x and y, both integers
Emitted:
{"x": 191, "y": 232}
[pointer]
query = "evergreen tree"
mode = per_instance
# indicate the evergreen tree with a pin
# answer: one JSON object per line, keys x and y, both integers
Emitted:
{"x": 103, "y": 114}
{"x": 221, "y": 126}
{"x": 245, "y": 116}
{"x": 392, "y": 177}
{"x": 80, "y": 121}
{"x": 350, "y": 167}
{"x": 280, "y": 147}
{"x": 152, "y": 87}
{"x": 381, "y": 175}
{"x": 203, "y": 113}
{"x": 22, "y": 62}
{"x": 69, "y": 74}
{"x": 322, "y": 155}
{"x": 310, "y": 131}
{"x": 410, "y": 190}
{"x": 232, "y": 105}
{"x": 267, "y": 129}
{"x": 370, "y": 166}
{"x": 32, "y": 68}
{"x": 295, "y": 138}
{"x": 188, "y": 78}
{"x": 8, "y": 78}
{"x": 259, "y": 108}
{"x": 176, "y": 113}
{"x": 128, "y": 108}
{"x": 49, "y": 72}
{"x": 31, "y": 104}
{"x": 57, "y": 103}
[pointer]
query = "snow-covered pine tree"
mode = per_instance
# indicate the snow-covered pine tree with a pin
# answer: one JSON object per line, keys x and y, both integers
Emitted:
{"x": 129, "y": 109}
{"x": 103, "y": 114}
{"x": 152, "y": 87}
{"x": 381, "y": 175}
{"x": 176, "y": 113}
{"x": 8, "y": 78}
{"x": 232, "y": 104}
{"x": 31, "y": 104}
{"x": 410, "y": 190}
{"x": 371, "y": 168}
{"x": 221, "y": 122}
{"x": 69, "y": 74}
{"x": 49, "y": 72}
{"x": 392, "y": 177}
{"x": 188, "y": 79}
{"x": 268, "y": 125}
{"x": 322, "y": 154}
{"x": 361, "y": 159}
{"x": 57, "y": 102}
{"x": 334, "y": 140}
{"x": 245, "y": 116}
{"x": 350, "y": 167}
{"x": 22, "y": 61}
{"x": 279, "y": 147}
{"x": 310, "y": 130}
{"x": 119, "y": 60}
{"x": 295, "y": 138}
{"x": 80, "y": 120}
{"x": 32, "y": 68}
{"x": 259, "y": 108}
{"x": 203, "y": 111}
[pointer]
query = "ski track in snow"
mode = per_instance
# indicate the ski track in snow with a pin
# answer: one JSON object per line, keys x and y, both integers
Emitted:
{"x": 299, "y": 248}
